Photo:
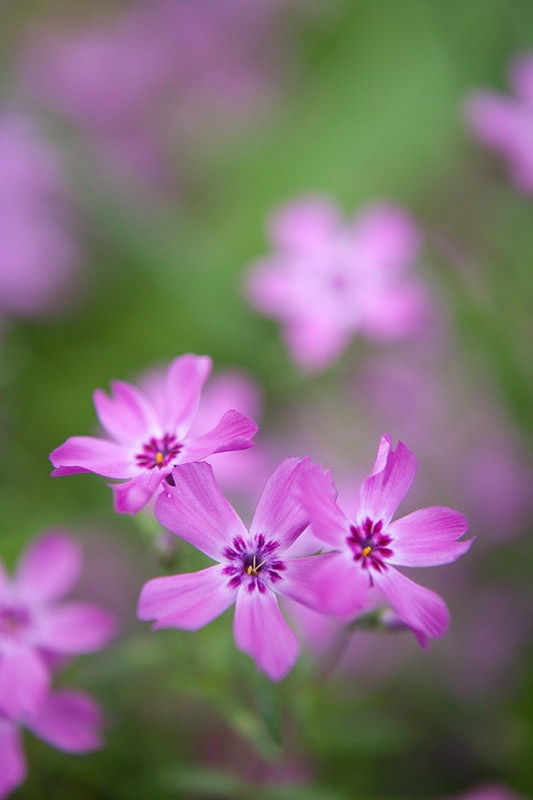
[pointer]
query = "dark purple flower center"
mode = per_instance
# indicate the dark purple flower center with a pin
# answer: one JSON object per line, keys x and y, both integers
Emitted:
{"x": 13, "y": 620}
{"x": 254, "y": 562}
{"x": 369, "y": 545}
{"x": 158, "y": 452}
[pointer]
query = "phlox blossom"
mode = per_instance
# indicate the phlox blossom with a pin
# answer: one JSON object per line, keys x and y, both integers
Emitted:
{"x": 329, "y": 279}
{"x": 36, "y": 626}
{"x": 505, "y": 123}
{"x": 370, "y": 547}
{"x": 253, "y": 566}
{"x": 151, "y": 435}
{"x": 68, "y": 720}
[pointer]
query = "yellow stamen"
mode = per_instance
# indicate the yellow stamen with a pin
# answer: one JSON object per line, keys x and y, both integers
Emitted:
{"x": 159, "y": 457}
{"x": 367, "y": 550}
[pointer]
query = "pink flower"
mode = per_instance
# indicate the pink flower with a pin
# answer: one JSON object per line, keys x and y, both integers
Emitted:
{"x": 328, "y": 280}
{"x": 68, "y": 720}
{"x": 252, "y": 567}
{"x": 369, "y": 547}
{"x": 36, "y": 628}
{"x": 38, "y": 253}
{"x": 505, "y": 124}
{"x": 151, "y": 437}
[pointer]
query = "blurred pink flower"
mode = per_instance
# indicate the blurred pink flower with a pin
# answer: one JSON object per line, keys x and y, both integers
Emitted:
{"x": 328, "y": 280}
{"x": 151, "y": 435}
{"x": 35, "y": 628}
{"x": 38, "y": 253}
{"x": 505, "y": 123}
{"x": 68, "y": 720}
{"x": 253, "y": 566}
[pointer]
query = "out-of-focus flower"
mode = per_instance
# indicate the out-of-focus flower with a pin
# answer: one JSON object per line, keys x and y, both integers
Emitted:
{"x": 68, "y": 720}
{"x": 154, "y": 74}
{"x": 35, "y": 627}
{"x": 505, "y": 123}
{"x": 38, "y": 253}
{"x": 253, "y": 566}
{"x": 328, "y": 279}
{"x": 151, "y": 437}
{"x": 490, "y": 791}
{"x": 368, "y": 548}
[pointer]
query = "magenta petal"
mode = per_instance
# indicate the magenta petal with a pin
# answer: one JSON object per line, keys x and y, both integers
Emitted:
{"x": 280, "y": 512}
{"x": 314, "y": 582}
{"x": 188, "y": 601}
{"x": 305, "y": 225}
{"x": 185, "y": 380}
{"x": 127, "y": 416}
{"x": 50, "y": 567}
{"x": 427, "y": 538}
{"x": 95, "y": 455}
{"x": 382, "y": 493}
{"x": 314, "y": 343}
{"x": 70, "y": 721}
{"x": 24, "y": 679}
{"x": 12, "y": 761}
{"x": 262, "y": 633}
{"x": 234, "y": 432}
{"x": 420, "y": 608}
{"x": 133, "y": 495}
{"x": 196, "y": 510}
{"x": 386, "y": 236}
{"x": 75, "y": 628}
{"x": 329, "y": 523}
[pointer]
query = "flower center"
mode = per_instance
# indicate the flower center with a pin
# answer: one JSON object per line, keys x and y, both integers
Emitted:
{"x": 369, "y": 545}
{"x": 254, "y": 562}
{"x": 13, "y": 619}
{"x": 158, "y": 452}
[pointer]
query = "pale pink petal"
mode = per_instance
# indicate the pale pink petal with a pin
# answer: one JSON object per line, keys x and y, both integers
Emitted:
{"x": 196, "y": 510}
{"x": 185, "y": 380}
{"x": 493, "y": 118}
{"x": 127, "y": 415}
{"x": 233, "y": 432}
{"x": 50, "y": 567}
{"x": 12, "y": 762}
{"x": 86, "y": 453}
{"x": 382, "y": 493}
{"x": 74, "y": 628}
{"x": 315, "y": 343}
{"x": 132, "y": 496}
{"x": 328, "y": 522}
{"x": 262, "y": 633}
{"x": 420, "y": 608}
{"x": 386, "y": 237}
{"x": 24, "y": 679}
{"x": 187, "y": 601}
{"x": 269, "y": 288}
{"x": 305, "y": 225}
{"x": 229, "y": 389}
{"x": 280, "y": 513}
{"x": 70, "y": 721}
{"x": 427, "y": 538}
{"x": 314, "y": 582}
{"x": 399, "y": 311}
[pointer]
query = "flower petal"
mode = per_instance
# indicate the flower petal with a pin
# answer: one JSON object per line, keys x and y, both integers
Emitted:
{"x": 420, "y": 608}
{"x": 393, "y": 474}
{"x": 386, "y": 237}
{"x": 188, "y": 601}
{"x": 305, "y": 225}
{"x": 185, "y": 380}
{"x": 132, "y": 496}
{"x": 195, "y": 509}
{"x": 74, "y": 628}
{"x": 327, "y": 583}
{"x": 234, "y": 432}
{"x": 24, "y": 679}
{"x": 314, "y": 343}
{"x": 427, "y": 538}
{"x": 127, "y": 415}
{"x": 280, "y": 512}
{"x": 318, "y": 494}
{"x": 261, "y": 631}
{"x": 12, "y": 762}
{"x": 50, "y": 567}
{"x": 69, "y": 721}
{"x": 86, "y": 453}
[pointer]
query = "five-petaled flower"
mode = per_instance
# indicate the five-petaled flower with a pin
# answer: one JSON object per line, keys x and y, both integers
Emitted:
{"x": 328, "y": 279}
{"x": 368, "y": 548}
{"x": 35, "y": 628}
{"x": 253, "y": 566}
{"x": 151, "y": 434}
